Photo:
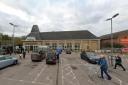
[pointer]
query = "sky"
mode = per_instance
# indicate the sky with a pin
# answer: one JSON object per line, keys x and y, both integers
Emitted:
{"x": 63, "y": 15}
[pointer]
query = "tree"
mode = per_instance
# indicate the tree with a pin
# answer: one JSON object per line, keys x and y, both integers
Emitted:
{"x": 18, "y": 41}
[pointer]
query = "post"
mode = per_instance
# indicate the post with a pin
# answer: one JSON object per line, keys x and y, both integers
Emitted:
{"x": 112, "y": 36}
{"x": 13, "y": 43}
{"x": 111, "y": 44}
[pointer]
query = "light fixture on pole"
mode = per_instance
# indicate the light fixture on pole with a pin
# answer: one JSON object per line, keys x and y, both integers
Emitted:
{"x": 13, "y": 43}
{"x": 112, "y": 36}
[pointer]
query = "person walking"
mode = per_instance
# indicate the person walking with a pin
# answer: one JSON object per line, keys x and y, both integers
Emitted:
{"x": 118, "y": 62}
{"x": 57, "y": 55}
{"x": 58, "y": 52}
{"x": 104, "y": 67}
{"x": 24, "y": 54}
{"x": 20, "y": 55}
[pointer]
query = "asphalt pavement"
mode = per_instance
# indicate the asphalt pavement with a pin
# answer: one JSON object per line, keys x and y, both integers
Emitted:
{"x": 70, "y": 71}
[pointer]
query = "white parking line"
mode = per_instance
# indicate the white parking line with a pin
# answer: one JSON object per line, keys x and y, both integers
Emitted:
{"x": 75, "y": 76}
{"x": 120, "y": 81}
{"x": 38, "y": 75}
{"x": 73, "y": 64}
{"x": 91, "y": 82}
{"x": 37, "y": 68}
{"x": 62, "y": 70}
{"x": 71, "y": 72}
{"x": 68, "y": 73}
{"x": 24, "y": 81}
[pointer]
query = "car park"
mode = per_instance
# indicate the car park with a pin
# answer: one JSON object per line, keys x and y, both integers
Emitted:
{"x": 6, "y": 60}
{"x": 39, "y": 54}
{"x": 91, "y": 57}
{"x": 51, "y": 57}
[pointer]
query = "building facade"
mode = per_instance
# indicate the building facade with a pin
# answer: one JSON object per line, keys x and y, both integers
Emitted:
{"x": 119, "y": 38}
{"x": 75, "y": 40}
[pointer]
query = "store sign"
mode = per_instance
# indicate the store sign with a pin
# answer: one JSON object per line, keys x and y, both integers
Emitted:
{"x": 125, "y": 41}
{"x": 124, "y": 49}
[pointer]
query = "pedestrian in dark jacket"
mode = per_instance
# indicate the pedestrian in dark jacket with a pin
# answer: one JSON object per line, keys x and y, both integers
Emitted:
{"x": 24, "y": 54}
{"x": 104, "y": 67}
{"x": 118, "y": 61}
{"x": 57, "y": 55}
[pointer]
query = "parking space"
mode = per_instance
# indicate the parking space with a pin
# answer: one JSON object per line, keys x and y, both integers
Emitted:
{"x": 70, "y": 71}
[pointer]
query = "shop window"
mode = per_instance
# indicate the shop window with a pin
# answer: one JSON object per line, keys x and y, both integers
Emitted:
{"x": 61, "y": 45}
{"x": 47, "y": 44}
{"x": 54, "y": 45}
{"x": 69, "y": 45}
{"x": 77, "y": 46}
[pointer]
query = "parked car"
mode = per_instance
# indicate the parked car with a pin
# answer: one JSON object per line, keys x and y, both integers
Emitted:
{"x": 6, "y": 60}
{"x": 51, "y": 58}
{"x": 68, "y": 51}
{"x": 36, "y": 57}
{"x": 91, "y": 57}
{"x": 39, "y": 54}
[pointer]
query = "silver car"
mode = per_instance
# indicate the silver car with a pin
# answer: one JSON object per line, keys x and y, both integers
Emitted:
{"x": 6, "y": 60}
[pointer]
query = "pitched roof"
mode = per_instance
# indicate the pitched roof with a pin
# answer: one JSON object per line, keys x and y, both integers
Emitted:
{"x": 61, "y": 35}
{"x": 115, "y": 35}
{"x": 34, "y": 34}
{"x": 35, "y": 28}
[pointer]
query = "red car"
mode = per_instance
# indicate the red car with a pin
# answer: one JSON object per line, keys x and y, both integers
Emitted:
{"x": 51, "y": 58}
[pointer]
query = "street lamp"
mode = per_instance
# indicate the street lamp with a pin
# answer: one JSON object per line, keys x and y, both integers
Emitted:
{"x": 13, "y": 35}
{"x": 112, "y": 35}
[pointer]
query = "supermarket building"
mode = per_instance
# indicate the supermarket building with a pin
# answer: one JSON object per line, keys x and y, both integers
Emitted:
{"x": 75, "y": 40}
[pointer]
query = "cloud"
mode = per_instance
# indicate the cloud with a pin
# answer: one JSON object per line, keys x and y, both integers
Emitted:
{"x": 63, "y": 15}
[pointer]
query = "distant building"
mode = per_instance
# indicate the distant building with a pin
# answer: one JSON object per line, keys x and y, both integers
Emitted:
{"x": 75, "y": 40}
{"x": 119, "y": 38}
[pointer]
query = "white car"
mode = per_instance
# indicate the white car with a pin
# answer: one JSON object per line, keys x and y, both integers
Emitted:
{"x": 6, "y": 60}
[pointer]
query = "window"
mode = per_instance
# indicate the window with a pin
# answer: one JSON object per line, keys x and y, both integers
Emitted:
{"x": 54, "y": 45}
{"x": 47, "y": 44}
{"x": 77, "y": 46}
{"x": 61, "y": 45}
{"x": 69, "y": 45}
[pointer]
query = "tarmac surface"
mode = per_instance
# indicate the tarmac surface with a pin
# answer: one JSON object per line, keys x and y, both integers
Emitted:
{"x": 71, "y": 70}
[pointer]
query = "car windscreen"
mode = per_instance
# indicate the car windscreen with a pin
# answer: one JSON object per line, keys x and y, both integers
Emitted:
{"x": 92, "y": 55}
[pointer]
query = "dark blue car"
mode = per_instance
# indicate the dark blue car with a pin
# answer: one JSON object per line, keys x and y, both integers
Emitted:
{"x": 91, "y": 57}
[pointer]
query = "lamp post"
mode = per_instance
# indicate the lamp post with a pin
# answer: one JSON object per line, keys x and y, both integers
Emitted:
{"x": 13, "y": 43}
{"x": 112, "y": 36}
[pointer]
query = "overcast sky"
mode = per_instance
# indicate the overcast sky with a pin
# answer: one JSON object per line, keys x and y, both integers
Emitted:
{"x": 63, "y": 15}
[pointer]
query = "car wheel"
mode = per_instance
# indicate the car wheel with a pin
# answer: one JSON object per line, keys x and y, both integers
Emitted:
{"x": 15, "y": 62}
{"x": 33, "y": 60}
{"x": 46, "y": 62}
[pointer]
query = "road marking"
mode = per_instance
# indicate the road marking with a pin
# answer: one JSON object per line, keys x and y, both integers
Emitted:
{"x": 120, "y": 81}
{"x": 24, "y": 81}
{"x": 90, "y": 69}
{"x": 74, "y": 76}
{"x": 38, "y": 75}
{"x": 62, "y": 71}
{"x": 68, "y": 73}
{"x": 37, "y": 68}
{"x": 91, "y": 82}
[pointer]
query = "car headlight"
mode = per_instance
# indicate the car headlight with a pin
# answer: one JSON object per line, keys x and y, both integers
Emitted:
{"x": 91, "y": 58}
